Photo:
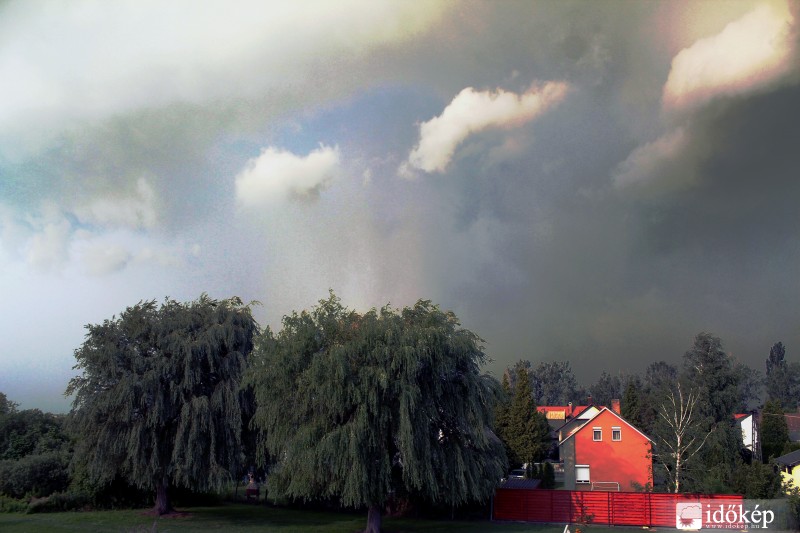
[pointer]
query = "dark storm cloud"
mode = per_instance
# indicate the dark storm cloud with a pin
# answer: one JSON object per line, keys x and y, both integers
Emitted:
{"x": 726, "y": 246}
{"x": 555, "y": 261}
{"x": 745, "y": 161}
{"x": 530, "y": 234}
{"x": 613, "y": 279}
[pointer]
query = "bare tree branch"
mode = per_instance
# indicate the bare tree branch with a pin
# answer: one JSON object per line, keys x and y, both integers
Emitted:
{"x": 682, "y": 435}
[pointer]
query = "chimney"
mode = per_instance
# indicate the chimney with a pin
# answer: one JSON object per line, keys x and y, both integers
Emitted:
{"x": 569, "y": 410}
{"x": 590, "y": 400}
{"x": 615, "y": 406}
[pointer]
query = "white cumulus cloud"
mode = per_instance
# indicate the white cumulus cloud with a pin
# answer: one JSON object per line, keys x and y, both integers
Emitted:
{"x": 473, "y": 111}
{"x": 748, "y": 53}
{"x": 277, "y": 175}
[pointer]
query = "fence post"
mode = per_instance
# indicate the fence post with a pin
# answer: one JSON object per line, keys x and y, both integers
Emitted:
{"x": 524, "y": 505}
{"x": 569, "y": 507}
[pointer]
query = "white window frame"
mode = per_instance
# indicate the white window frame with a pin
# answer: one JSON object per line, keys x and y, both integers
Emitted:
{"x": 618, "y": 432}
{"x": 594, "y": 434}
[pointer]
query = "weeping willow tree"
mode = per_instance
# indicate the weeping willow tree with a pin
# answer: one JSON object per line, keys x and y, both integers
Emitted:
{"x": 157, "y": 402}
{"x": 360, "y": 406}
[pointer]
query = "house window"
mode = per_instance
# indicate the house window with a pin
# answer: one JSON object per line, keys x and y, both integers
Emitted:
{"x": 582, "y": 474}
{"x": 616, "y": 433}
{"x": 597, "y": 434}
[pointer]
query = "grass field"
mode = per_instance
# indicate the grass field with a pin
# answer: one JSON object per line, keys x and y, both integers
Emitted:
{"x": 240, "y": 517}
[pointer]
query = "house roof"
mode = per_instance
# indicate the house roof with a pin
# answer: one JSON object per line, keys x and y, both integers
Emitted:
{"x": 573, "y": 425}
{"x": 793, "y": 424}
{"x": 790, "y": 459}
{"x": 558, "y": 415}
{"x": 581, "y": 409}
{"x": 554, "y": 412}
{"x": 553, "y": 408}
{"x": 561, "y": 412}
{"x": 604, "y": 409}
{"x": 739, "y": 416}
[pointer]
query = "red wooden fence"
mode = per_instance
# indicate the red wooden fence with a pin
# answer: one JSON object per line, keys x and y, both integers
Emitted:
{"x": 596, "y": 507}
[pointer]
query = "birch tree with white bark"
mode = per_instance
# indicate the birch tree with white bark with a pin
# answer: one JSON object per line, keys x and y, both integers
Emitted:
{"x": 680, "y": 434}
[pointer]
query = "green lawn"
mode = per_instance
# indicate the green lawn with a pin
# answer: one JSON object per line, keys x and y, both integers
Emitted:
{"x": 240, "y": 517}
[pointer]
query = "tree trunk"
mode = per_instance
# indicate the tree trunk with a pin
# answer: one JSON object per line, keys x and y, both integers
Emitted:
{"x": 374, "y": 519}
{"x": 163, "y": 505}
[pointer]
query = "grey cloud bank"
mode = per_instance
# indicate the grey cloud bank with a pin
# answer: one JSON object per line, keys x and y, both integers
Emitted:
{"x": 634, "y": 212}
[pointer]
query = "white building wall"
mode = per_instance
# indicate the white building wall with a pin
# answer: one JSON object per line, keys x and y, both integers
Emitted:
{"x": 746, "y": 423}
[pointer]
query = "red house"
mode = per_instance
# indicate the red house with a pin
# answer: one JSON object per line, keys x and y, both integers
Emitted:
{"x": 601, "y": 450}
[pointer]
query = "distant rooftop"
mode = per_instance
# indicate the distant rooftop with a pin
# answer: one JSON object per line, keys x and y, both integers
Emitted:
{"x": 790, "y": 459}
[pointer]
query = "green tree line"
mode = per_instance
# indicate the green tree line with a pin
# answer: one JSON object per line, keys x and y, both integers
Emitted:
{"x": 363, "y": 409}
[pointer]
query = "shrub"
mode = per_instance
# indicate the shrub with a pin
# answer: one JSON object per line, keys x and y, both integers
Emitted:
{"x": 548, "y": 476}
{"x": 31, "y": 432}
{"x": 10, "y": 505}
{"x": 58, "y": 502}
{"x": 117, "y": 494}
{"x": 757, "y": 480}
{"x": 789, "y": 447}
{"x": 35, "y": 475}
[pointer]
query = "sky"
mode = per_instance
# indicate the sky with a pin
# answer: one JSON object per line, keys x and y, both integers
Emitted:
{"x": 595, "y": 182}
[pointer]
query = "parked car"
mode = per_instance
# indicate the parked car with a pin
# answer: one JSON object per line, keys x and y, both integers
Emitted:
{"x": 517, "y": 473}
